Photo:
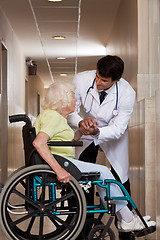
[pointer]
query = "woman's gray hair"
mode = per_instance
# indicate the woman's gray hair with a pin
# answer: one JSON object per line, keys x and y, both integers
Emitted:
{"x": 58, "y": 96}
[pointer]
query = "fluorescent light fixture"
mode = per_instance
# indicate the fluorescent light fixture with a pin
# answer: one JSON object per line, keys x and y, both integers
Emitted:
{"x": 63, "y": 74}
{"x": 54, "y": 0}
{"x": 61, "y": 58}
{"x": 59, "y": 37}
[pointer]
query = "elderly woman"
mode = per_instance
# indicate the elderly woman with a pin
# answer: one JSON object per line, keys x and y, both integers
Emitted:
{"x": 52, "y": 125}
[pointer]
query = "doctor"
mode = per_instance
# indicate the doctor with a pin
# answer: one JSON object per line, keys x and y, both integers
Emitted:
{"x": 105, "y": 100}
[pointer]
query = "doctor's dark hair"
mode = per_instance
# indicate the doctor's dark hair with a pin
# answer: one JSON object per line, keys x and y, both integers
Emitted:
{"x": 110, "y": 66}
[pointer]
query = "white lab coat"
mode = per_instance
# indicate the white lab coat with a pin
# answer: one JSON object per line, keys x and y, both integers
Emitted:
{"x": 113, "y": 137}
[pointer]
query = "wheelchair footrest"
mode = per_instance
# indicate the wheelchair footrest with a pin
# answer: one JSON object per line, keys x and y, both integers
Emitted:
{"x": 145, "y": 231}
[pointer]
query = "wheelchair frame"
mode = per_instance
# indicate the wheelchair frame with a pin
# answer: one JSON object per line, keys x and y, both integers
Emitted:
{"x": 63, "y": 205}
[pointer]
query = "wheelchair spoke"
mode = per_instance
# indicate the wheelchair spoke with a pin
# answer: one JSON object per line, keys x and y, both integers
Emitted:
{"x": 54, "y": 222}
{"x": 24, "y": 218}
{"x": 30, "y": 224}
{"x": 23, "y": 184}
{"x": 42, "y": 197}
{"x": 51, "y": 216}
{"x": 27, "y": 199}
{"x": 41, "y": 226}
{"x": 62, "y": 199}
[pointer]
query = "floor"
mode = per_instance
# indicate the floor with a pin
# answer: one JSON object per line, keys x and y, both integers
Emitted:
{"x": 105, "y": 219}
{"x": 2, "y": 236}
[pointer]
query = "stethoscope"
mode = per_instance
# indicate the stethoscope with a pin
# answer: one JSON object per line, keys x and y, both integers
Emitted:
{"x": 115, "y": 110}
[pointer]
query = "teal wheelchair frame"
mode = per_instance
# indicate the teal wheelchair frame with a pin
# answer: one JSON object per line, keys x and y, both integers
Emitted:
{"x": 35, "y": 205}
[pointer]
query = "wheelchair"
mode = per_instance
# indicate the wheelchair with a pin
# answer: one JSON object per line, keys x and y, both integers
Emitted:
{"x": 35, "y": 205}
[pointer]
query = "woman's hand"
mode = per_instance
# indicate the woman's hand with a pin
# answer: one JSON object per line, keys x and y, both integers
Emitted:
{"x": 63, "y": 175}
{"x": 40, "y": 144}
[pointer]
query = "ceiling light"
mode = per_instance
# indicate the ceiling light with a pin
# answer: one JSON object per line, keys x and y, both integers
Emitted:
{"x": 61, "y": 58}
{"x": 63, "y": 74}
{"x": 54, "y": 0}
{"x": 59, "y": 37}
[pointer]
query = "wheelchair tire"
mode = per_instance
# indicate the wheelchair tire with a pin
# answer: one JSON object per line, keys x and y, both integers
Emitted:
{"x": 97, "y": 231}
{"x": 89, "y": 225}
{"x": 44, "y": 218}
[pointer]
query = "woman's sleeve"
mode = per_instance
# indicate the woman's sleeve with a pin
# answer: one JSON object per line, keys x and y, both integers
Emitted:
{"x": 50, "y": 123}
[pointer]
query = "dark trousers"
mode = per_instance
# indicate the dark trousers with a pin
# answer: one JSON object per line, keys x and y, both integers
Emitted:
{"x": 90, "y": 155}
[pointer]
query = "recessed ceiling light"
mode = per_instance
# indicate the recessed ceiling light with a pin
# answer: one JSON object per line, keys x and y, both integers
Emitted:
{"x": 63, "y": 74}
{"x": 59, "y": 37}
{"x": 54, "y": 0}
{"x": 61, "y": 58}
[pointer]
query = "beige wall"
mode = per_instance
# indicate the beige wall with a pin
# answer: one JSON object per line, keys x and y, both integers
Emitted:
{"x": 15, "y": 87}
{"x": 148, "y": 83}
{"x": 35, "y": 87}
{"x": 16, "y": 76}
{"x": 123, "y": 40}
{"x": 135, "y": 38}
{"x": 157, "y": 164}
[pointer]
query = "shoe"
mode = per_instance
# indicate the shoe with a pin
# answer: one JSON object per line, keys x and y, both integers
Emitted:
{"x": 126, "y": 236}
{"x": 130, "y": 235}
{"x": 135, "y": 225}
{"x": 147, "y": 218}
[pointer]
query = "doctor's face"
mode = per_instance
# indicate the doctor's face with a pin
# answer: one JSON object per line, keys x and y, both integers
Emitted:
{"x": 104, "y": 83}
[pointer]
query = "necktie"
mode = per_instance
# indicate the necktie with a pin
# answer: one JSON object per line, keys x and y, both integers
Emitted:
{"x": 102, "y": 96}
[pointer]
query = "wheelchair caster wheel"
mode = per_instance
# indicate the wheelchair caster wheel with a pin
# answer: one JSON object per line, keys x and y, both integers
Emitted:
{"x": 89, "y": 225}
{"x": 97, "y": 231}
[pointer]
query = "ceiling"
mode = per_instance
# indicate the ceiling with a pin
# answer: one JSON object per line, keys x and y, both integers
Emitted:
{"x": 86, "y": 25}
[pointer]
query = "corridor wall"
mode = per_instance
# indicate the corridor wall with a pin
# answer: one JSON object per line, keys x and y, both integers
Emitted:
{"x": 17, "y": 75}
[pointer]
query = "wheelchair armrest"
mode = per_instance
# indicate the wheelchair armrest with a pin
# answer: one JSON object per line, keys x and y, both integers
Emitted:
{"x": 65, "y": 143}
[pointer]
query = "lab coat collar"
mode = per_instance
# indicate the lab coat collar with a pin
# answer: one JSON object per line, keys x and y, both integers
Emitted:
{"x": 110, "y": 94}
{"x": 95, "y": 94}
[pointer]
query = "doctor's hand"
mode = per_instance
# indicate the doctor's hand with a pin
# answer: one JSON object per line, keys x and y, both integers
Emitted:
{"x": 88, "y": 126}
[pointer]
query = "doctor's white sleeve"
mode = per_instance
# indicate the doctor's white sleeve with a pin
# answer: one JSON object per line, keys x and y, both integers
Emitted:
{"x": 117, "y": 125}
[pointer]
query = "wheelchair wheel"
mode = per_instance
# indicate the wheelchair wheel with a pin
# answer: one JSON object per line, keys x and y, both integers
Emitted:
{"x": 89, "y": 225}
{"x": 44, "y": 213}
{"x": 96, "y": 232}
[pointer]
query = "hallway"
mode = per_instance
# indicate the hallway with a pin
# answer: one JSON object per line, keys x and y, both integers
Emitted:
{"x": 31, "y": 58}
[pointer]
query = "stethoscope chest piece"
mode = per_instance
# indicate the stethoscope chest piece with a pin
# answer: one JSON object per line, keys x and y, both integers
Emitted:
{"x": 115, "y": 112}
